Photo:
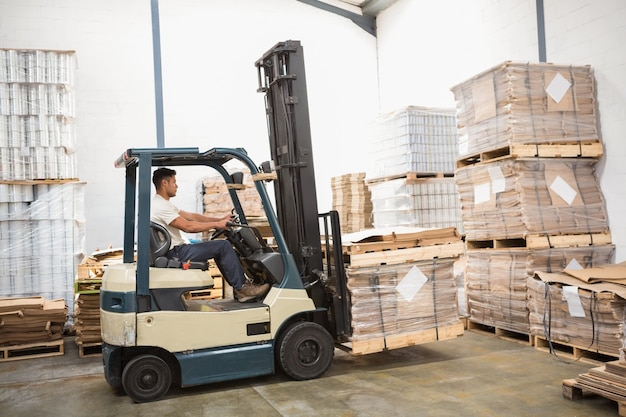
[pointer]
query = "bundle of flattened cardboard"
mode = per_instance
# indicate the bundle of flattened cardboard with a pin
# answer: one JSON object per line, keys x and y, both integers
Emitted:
{"x": 516, "y": 197}
{"x": 581, "y": 307}
{"x": 27, "y": 320}
{"x": 352, "y": 200}
{"x": 522, "y": 102}
{"x": 497, "y": 280}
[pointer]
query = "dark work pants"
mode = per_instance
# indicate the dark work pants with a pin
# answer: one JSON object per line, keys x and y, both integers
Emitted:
{"x": 225, "y": 257}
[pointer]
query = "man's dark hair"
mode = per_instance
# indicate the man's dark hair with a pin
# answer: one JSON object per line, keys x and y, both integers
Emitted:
{"x": 160, "y": 174}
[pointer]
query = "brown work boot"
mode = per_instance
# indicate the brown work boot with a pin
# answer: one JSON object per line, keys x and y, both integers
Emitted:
{"x": 250, "y": 291}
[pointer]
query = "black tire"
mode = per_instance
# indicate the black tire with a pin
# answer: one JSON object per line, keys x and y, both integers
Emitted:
{"x": 146, "y": 378}
{"x": 305, "y": 350}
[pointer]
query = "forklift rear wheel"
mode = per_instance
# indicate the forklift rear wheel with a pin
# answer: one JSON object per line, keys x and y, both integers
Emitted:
{"x": 146, "y": 378}
{"x": 306, "y": 350}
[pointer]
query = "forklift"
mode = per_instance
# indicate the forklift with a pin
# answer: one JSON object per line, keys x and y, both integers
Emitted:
{"x": 155, "y": 336}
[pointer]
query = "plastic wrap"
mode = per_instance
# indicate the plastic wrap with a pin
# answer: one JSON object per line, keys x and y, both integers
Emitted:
{"x": 415, "y": 139}
{"x": 523, "y": 103}
{"x": 600, "y": 330}
{"x": 405, "y": 298}
{"x": 516, "y": 197}
{"x": 42, "y": 230}
{"x": 37, "y": 107}
{"x": 416, "y": 202}
{"x": 496, "y": 280}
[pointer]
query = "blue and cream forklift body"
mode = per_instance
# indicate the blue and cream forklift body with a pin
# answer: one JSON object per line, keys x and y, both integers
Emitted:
{"x": 154, "y": 335}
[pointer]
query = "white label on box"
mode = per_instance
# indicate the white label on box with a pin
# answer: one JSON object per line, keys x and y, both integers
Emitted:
{"x": 412, "y": 282}
{"x": 570, "y": 294}
{"x": 482, "y": 193}
{"x": 558, "y": 87}
{"x": 573, "y": 265}
{"x": 498, "y": 182}
{"x": 563, "y": 189}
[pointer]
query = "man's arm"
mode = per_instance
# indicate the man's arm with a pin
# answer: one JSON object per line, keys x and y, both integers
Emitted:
{"x": 195, "y": 223}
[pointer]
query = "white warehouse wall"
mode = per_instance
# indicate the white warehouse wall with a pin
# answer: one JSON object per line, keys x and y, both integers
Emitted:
{"x": 427, "y": 47}
{"x": 208, "y": 52}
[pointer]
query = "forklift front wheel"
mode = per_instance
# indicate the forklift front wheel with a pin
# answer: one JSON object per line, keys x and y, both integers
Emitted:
{"x": 146, "y": 378}
{"x": 305, "y": 350}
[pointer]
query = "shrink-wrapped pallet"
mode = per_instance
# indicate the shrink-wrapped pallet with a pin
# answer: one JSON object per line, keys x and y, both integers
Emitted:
{"x": 595, "y": 324}
{"x": 416, "y": 202}
{"x": 513, "y": 198}
{"x": 388, "y": 300}
{"x": 524, "y": 103}
{"x": 496, "y": 280}
{"x": 415, "y": 139}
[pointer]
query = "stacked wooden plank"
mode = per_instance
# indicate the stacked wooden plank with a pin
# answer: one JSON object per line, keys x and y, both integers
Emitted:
{"x": 528, "y": 149}
{"x": 31, "y": 327}
{"x": 402, "y": 287}
{"x": 352, "y": 199}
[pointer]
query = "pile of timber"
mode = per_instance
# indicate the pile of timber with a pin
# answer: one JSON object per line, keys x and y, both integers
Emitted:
{"x": 352, "y": 199}
{"x": 31, "y": 327}
{"x": 402, "y": 287}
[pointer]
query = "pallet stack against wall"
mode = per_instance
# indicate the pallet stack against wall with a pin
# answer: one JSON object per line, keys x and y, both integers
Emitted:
{"x": 41, "y": 200}
{"x": 412, "y": 181}
{"x": 530, "y": 198}
{"x": 402, "y": 288}
{"x": 352, "y": 200}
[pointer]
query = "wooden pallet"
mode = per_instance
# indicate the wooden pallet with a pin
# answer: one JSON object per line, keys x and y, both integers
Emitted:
{"x": 574, "y": 390}
{"x": 570, "y": 351}
{"x": 402, "y": 340}
{"x": 89, "y": 349}
{"x": 410, "y": 176}
{"x": 31, "y": 350}
{"x": 404, "y": 255}
{"x": 543, "y": 241}
{"x": 585, "y": 149}
{"x": 500, "y": 333}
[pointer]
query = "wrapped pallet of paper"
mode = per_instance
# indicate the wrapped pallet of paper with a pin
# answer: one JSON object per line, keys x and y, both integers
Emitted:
{"x": 584, "y": 314}
{"x": 352, "y": 199}
{"x": 415, "y": 139}
{"x": 496, "y": 280}
{"x": 517, "y": 103}
{"x": 416, "y": 202}
{"x": 400, "y": 305}
{"x": 513, "y": 198}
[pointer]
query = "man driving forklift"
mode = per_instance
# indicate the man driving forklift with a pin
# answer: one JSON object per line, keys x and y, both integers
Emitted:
{"x": 165, "y": 213}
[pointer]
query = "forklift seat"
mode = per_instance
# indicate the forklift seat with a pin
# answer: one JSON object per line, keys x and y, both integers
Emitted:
{"x": 160, "y": 241}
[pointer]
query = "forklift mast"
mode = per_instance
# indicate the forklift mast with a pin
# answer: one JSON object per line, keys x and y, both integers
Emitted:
{"x": 281, "y": 77}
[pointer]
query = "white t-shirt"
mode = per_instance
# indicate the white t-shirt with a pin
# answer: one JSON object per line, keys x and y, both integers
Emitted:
{"x": 163, "y": 211}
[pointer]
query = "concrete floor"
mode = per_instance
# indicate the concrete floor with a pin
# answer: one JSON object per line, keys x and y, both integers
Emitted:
{"x": 477, "y": 374}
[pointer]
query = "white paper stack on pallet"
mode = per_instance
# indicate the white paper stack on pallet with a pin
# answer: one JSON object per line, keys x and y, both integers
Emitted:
{"x": 416, "y": 202}
{"x": 415, "y": 139}
{"x": 352, "y": 200}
